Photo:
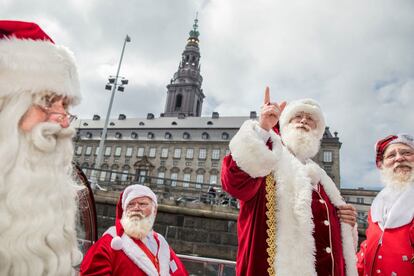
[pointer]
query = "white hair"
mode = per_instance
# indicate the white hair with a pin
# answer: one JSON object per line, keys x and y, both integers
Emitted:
{"x": 37, "y": 196}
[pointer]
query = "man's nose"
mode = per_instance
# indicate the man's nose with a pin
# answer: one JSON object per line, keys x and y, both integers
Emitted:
{"x": 399, "y": 157}
{"x": 65, "y": 122}
{"x": 303, "y": 120}
{"x": 58, "y": 107}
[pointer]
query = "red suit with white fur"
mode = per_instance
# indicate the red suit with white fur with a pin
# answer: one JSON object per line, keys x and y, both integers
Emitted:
{"x": 118, "y": 254}
{"x": 389, "y": 249}
{"x": 306, "y": 199}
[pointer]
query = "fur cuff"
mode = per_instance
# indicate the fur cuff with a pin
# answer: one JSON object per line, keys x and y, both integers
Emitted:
{"x": 349, "y": 251}
{"x": 250, "y": 152}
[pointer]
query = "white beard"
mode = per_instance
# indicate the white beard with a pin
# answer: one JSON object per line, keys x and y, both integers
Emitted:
{"x": 137, "y": 227}
{"x": 37, "y": 198}
{"x": 397, "y": 180}
{"x": 303, "y": 144}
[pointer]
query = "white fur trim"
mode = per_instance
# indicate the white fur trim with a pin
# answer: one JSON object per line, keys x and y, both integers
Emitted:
{"x": 349, "y": 249}
{"x": 135, "y": 191}
{"x": 136, "y": 255}
{"x": 164, "y": 256}
{"x": 401, "y": 213}
{"x": 295, "y": 219}
{"x": 348, "y": 233}
{"x": 304, "y": 105}
{"x": 37, "y": 66}
{"x": 403, "y": 138}
{"x": 250, "y": 152}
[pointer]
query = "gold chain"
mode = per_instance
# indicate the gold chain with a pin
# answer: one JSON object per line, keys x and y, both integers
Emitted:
{"x": 271, "y": 223}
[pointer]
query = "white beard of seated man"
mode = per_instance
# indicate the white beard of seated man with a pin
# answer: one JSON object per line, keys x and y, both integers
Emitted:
{"x": 136, "y": 224}
{"x": 37, "y": 196}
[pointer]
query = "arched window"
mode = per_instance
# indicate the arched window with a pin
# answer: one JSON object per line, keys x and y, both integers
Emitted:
{"x": 168, "y": 135}
{"x": 150, "y": 135}
{"x": 134, "y": 135}
{"x": 204, "y": 136}
{"x": 186, "y": 135}
{"x": 225, "y": 136}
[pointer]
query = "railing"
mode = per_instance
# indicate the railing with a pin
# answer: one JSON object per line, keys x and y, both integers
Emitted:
{"x": 201, "y": 266}
{"x": 172, "y": 189}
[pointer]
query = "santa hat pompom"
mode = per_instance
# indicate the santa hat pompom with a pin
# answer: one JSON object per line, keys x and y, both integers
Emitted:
{"x": 116, "y": 243}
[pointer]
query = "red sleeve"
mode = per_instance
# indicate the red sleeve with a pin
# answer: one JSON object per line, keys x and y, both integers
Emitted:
{"x": 361, "y": 257}
{"x": 237, "y": 182}
{"x": 97, "y": 260}
{"x": 176, "y": 266}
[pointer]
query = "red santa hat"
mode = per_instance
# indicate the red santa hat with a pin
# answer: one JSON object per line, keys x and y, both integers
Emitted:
{"x": 303, "y": 105}
{"x": 382, "y": 145}
{"x": 31, "y": 61}
{"x": 130, "y": 193}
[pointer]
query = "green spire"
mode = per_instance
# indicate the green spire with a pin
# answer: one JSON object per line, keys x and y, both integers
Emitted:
{"x": 194, "y": 32}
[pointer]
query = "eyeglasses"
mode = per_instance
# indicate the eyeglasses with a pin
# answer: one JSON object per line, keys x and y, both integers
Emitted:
{"x": 393, "y": 154}
{"x": 57, "y": 116}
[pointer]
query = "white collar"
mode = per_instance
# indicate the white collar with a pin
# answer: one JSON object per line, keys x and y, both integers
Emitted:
{"x": 402, "y": 211}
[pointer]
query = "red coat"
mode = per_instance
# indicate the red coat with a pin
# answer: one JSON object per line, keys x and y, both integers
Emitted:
{"x": 252, "y": 228}
{"x": 395, "y": 255}
{"x": 308, "y": 237}
{"x": 102, "y": 260}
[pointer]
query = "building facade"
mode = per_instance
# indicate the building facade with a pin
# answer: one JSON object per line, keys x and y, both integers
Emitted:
{"x": 361, "y": 199}
{"x": 180, "y": 144}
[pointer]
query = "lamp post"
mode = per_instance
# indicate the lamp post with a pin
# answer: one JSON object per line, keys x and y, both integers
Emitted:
{"x": 112, "y": 84}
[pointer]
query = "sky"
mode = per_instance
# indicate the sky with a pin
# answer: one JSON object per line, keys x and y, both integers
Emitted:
{"x": 354, "y": 57}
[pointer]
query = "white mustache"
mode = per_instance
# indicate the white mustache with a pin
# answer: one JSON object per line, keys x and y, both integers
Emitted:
{"x": 44, "y": 135}
{"x": 299, "y": 125}
{"x": 134, "y": 213}
{"x": 402, "y": 165}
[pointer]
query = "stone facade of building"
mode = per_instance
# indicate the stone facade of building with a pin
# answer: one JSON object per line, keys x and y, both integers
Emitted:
{"x": 178, "y": 145}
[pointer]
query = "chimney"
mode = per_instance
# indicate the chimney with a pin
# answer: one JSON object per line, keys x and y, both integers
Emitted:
{"x": 253, "y": 115}
{"x": 96, "y": 117}
{"x": 215, "y": 115}
{"x": 150, "y": 116}
{"x": 121, "y": 117}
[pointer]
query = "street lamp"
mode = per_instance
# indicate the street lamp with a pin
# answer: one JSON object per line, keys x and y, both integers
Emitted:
{"x": 113, "y": 83}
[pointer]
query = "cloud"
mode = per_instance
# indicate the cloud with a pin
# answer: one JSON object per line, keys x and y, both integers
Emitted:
{"x": 354, "y": 57}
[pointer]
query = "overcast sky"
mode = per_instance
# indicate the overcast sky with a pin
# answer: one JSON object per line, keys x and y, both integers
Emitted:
{"x": 355, "y": 57}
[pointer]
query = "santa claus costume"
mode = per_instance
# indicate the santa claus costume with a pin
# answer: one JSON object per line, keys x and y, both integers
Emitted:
{"x": 37, "y": 191}
{"x": 287, "y": 223}
{"x": 389, "y": 247}
{"x": 118, "y": 254}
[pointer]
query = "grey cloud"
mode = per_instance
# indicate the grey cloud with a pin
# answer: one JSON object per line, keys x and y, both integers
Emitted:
{"x": 354, "y": 57}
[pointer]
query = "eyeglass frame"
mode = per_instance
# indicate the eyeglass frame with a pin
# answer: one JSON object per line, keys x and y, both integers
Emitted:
{"x": 62, "y": 115}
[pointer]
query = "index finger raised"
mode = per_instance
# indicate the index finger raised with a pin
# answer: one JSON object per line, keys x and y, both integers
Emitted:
{"x": 267, "y": 95}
